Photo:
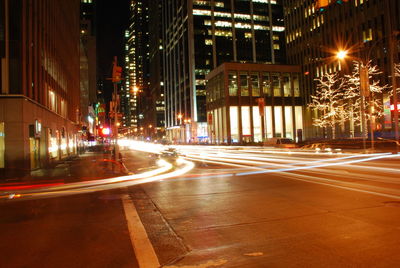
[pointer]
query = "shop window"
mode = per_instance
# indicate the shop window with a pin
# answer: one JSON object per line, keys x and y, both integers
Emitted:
{"x": 299, "y": 121}
{"x": 257, "y": 124}
{"x": 288, "y": 122}
{"x": 246, "y": 121}
{"x": 268, "y": 121}
{"x": 234, "y": 121}
{"x": 278, "y": 121}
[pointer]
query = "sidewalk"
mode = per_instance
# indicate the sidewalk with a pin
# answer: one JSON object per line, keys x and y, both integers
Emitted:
{"x": 87, "y": 166}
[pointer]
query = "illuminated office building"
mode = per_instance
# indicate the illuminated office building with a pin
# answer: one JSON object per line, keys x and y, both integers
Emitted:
{"x": 200, "y": 35}
{"x": 137, "y": 66}
{"x": 317, "y": 29}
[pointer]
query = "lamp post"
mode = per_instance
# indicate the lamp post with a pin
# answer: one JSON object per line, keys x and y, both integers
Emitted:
{"x": 364, "y": 92}
{"x": 180, "y": 116}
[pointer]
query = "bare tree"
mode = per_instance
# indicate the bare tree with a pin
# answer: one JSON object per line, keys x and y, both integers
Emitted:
{"x": 354, "y": 96}
{"x": 328, "y": 101}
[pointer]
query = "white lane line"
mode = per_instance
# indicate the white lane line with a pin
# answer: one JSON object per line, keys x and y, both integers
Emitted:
{"x": 326, "y": 182}
{"x": 142, "y": 246}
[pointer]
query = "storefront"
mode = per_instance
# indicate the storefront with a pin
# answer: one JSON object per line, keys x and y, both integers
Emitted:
{"x": 252, "y": 102}
{"x": 32, "y": 136}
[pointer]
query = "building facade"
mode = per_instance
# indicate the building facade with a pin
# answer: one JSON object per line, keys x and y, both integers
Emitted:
{"x": 249, "y": 103}
{"x": 200, "y": 35}
{"x": 39, "y": 95}
{"x": 137, "y": 67}
{"x": 88, "y": 68}
{"x": 156, "y": 113}
{"x": 317, "y": 29}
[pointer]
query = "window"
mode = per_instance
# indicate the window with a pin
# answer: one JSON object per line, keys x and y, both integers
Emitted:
{"x": 266, "y": 84}
{"x": 255, "y": 85}
{"x": 246, "y": 121}
{"x": 278, "y": 121}
{"x": 296, "y": 86}
{"x": 276, "y": 85}
{"x": 287, "y": 90}
{"x": 233, "y": 87}
{"x": 234, "y": 121}
{"x": 244, "y": 85}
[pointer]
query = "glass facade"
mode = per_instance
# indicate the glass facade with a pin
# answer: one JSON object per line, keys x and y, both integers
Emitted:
{"x": 279, "y": 115}
{"x": 201, "y": 35}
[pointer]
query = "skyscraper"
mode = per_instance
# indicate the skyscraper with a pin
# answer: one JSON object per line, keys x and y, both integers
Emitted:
{"x": 88, "y": 63}
{"x": 200, "y": 35}
{"x": 137, "y": 64}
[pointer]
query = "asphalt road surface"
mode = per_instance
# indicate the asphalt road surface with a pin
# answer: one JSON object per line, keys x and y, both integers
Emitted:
{"x": 235, "y": 207}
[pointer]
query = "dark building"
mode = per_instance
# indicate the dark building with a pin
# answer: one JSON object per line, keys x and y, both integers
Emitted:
{"x": 200, "y": 35}
{"x": 156, "y": 113}
{"x": 39, "y": 95}
{"x": 316, "y": 30}
{"x": 88, "y": 64}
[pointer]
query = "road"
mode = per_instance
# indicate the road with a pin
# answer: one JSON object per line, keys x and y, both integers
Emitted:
{"x": 219, "y": 207}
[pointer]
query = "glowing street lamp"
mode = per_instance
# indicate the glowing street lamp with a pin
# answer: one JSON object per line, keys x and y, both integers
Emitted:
{"x": 341, "y": 54}
{"x": 180, "y": 118}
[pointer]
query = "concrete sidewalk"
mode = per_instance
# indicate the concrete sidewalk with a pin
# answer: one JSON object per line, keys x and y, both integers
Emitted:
{"x": 73, "y": 168}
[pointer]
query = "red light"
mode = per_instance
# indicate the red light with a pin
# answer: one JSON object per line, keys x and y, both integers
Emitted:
{"x": 105, "y": 131}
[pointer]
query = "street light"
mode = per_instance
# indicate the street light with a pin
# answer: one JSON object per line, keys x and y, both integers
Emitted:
{"x": 341, "y": 54}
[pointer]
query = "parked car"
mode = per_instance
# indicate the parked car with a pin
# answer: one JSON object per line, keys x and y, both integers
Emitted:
{"x": 280, "y": 142}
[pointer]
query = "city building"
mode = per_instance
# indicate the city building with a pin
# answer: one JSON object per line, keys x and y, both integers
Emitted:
{"x": 317, "y": 29}
{"x": 156, "y": 113}
{"x": 198, "y": 36}
{"x": 39, "y": 94}
{"x": 125, "y": 96}
{"x": 88, "y": 68}
{"x": 253, "y": 102}
{"x": 137, "y": 67}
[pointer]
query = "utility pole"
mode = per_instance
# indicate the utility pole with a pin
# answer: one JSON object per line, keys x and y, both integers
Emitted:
{"x": 116, "y": 78}
{"x": 364, "y": 92}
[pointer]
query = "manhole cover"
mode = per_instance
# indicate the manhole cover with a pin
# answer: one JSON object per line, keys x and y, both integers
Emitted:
{"x": 392, "y": 203}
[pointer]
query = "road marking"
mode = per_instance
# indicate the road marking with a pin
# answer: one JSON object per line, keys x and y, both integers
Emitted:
{"x": 142, "y": 246}
{"x": 329, "y": 182}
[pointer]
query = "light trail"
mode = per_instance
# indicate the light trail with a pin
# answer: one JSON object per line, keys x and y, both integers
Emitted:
{"x": 104, "y": 184}
{"x": 321, "y": 165}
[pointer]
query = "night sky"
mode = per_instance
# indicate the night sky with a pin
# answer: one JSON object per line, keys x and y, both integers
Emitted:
{"x": 112, "y": 21}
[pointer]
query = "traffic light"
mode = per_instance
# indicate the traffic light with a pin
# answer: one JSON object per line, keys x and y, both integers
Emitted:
{"x": 105, "y": 131}
{"x": 116, "y": 74}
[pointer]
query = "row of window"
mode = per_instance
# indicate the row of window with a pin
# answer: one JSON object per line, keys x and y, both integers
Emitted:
{"x": 255, "y": 84}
